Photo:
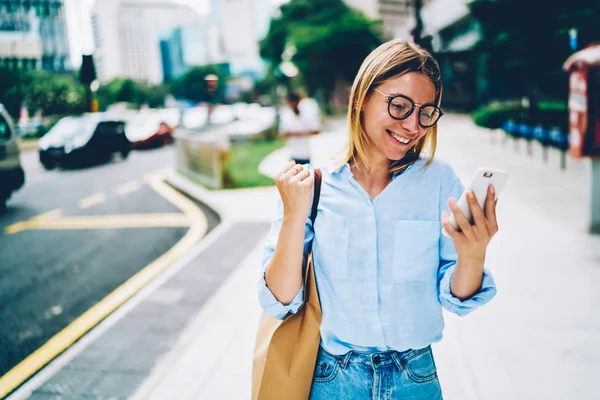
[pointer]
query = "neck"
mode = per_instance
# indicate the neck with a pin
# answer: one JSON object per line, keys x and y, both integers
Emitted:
{"x": 374, "y": 177}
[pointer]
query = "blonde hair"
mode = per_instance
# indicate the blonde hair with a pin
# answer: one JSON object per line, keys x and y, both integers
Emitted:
{"x": 387, "y": 62}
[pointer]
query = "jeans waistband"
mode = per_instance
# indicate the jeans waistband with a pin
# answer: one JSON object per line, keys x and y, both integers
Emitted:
{"x": 376, "y": 359}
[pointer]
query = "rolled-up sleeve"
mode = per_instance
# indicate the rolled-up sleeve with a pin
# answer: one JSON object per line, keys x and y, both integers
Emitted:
{"x": 267, "y": 300}
{"x": 463, "y": 307}
{"x": 448, "y": 260}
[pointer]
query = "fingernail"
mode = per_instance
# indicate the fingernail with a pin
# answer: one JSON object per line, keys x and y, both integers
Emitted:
{"x": 444, "y": 215}
{"x": 492, "y": 190}
{"x": 470, "y": 194}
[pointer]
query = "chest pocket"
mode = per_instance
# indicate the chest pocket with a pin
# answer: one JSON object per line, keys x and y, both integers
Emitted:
{"x": 416, "y": 251}
{"x": 331, "y": 244}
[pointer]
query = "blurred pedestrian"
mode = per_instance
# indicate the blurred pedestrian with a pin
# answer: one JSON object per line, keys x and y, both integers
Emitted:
{"x": 299, "y": 120}
{"x": 383, "y": 269}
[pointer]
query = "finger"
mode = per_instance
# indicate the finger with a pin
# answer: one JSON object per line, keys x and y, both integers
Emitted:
{"x": 462, "y": 221}
{"x": 300, "y": 176}
{"x": 285, "y": 169}
{"x": 308, "y": 181}
{"x": 477, "y": 213}
{"x": 293, "y": 171}
{"x": 490, "y": 210}
{"x": 450, "y": 230}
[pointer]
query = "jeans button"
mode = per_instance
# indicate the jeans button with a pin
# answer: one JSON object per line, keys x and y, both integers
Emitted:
{"x": 376, "y": 360}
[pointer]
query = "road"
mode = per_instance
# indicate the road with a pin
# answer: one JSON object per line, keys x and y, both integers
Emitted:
{"x": 71, "y": 237}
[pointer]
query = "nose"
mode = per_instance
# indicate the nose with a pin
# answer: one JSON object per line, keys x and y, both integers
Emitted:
{"x": 411, "y": 123}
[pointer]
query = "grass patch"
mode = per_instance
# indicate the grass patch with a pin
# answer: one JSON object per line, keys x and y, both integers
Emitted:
{"x": 244, "y": 160}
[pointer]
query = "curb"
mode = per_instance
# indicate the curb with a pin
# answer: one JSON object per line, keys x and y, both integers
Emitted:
{"x": 28, "y": 145}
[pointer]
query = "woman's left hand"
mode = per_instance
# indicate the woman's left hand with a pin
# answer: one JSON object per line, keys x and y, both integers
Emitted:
{"x": 472, "y": 241}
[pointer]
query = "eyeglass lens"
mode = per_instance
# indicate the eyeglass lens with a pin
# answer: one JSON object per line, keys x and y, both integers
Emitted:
{"x": 401, "y": 108}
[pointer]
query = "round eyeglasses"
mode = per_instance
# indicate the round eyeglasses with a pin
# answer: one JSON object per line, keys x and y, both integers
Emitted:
{"x": 401, "y": 107}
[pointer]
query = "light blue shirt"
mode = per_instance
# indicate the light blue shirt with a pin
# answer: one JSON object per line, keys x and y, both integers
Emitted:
{"x": 382, "y": 266}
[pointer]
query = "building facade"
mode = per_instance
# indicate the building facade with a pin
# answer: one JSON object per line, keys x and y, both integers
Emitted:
{"x": 33, "y": 35}
{"x": 453, "y": 33}
{"x": 183, "y": 48}
{"x": 127, "y": 36}
{"x": 240, "y": 25}
{"x": 393, "y": 13}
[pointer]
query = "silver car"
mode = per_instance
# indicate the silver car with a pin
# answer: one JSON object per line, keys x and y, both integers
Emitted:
{"x": 12, "y": 176}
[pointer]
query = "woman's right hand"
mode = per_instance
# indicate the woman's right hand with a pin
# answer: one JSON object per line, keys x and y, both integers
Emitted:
{"x": 295, "y": 187}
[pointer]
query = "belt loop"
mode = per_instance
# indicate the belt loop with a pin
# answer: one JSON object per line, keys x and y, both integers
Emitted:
{"x": 397, "y": 361}
{"x": 346, "y": 359}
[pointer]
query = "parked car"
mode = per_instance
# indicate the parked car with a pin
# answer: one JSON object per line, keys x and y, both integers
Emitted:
{"x": 12, "y": 176}
{"x": 86, "y": 139}
{"x": 148, "y": 129}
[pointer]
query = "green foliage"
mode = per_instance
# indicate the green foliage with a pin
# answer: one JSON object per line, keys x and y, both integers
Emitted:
{"x": 528, "y": 41}
{"x": 192, "y": 86}
{"x": 130, "y": 91}
{"x": 493, "y": 115}
{"x": 547, "y": 114}
{"x": 330, "y": 40}
{"x": 11, "y": 95}
{"x": 245, "y": 159}
{"x": 40, "y": 90}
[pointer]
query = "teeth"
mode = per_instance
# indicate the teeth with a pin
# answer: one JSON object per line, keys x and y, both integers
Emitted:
{"x": 398, "y": 138}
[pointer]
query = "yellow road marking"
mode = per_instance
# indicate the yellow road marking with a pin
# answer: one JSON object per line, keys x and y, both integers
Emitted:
{"x": 92, "y": 200}
{"x": 65, "y": 338}
{"x": 57, "y": 212}
{"x": 22, "y": 225}
{"x": 102, "y": 222}
{"x": 128, "y": 187}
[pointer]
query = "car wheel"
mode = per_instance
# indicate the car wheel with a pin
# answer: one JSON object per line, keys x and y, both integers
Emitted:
{"x": 48, "y": 165}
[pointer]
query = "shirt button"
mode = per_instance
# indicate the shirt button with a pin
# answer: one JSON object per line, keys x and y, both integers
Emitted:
{"x": 376, "y": 360}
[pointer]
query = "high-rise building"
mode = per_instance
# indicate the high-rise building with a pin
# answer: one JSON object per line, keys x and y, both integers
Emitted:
{"x": 33, "y": 35}
{"x": 53, "y": 31}
{"x": 127, "y": 36}
{"x": 393, "y": 13}
{"x": 182, "y": 48}
{"x": 241, "y": 24}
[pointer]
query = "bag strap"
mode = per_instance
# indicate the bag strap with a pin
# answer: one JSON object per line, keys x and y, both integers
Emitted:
{"x": 316, "y": 196}
{"x": 313, "y": 217}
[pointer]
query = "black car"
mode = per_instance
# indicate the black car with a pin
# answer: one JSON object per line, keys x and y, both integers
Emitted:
{"x": 86, "y": 139}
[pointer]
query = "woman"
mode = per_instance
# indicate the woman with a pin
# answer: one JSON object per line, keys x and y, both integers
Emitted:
{"x": 299, "y": 121}
{"x": 383, "y": 269}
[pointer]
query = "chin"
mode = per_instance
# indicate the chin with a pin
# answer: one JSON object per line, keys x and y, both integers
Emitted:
{"x": 395, "y": 155}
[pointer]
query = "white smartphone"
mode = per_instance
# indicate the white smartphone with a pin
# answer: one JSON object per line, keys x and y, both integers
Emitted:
{"x": 480, "y": 182}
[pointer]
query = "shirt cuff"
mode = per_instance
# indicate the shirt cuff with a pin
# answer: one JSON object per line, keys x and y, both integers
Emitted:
{"x": 274, "y": 307}
{"x": 463, "y": 307}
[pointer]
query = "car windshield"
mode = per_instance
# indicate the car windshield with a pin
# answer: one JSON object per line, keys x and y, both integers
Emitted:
{"x": 70, "y": 128}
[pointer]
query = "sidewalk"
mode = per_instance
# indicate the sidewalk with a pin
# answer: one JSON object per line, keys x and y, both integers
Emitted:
{"x": 538, "y": 339}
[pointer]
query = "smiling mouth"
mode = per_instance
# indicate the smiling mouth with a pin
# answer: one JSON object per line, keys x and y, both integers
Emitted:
{"x": 399, "y": 139}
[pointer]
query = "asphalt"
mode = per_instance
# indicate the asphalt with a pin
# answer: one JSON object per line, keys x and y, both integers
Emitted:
{"x": 49, "y": 277}
{"x": 536, "y": 340}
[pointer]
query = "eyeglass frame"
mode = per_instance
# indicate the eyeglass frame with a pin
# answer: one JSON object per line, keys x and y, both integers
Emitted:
{"x": 414, "y": 105}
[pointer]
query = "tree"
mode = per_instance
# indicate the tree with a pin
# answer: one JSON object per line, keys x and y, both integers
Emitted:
{"x": 133, "y": 92}
{"x": 326, "y": 40}
{"x": 192, "y": 85}
{"x": 526, "y": 42}
{"x": 11, "y": 95}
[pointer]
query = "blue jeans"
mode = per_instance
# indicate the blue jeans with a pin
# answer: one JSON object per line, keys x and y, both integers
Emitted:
{"x": 410, "y": 375}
